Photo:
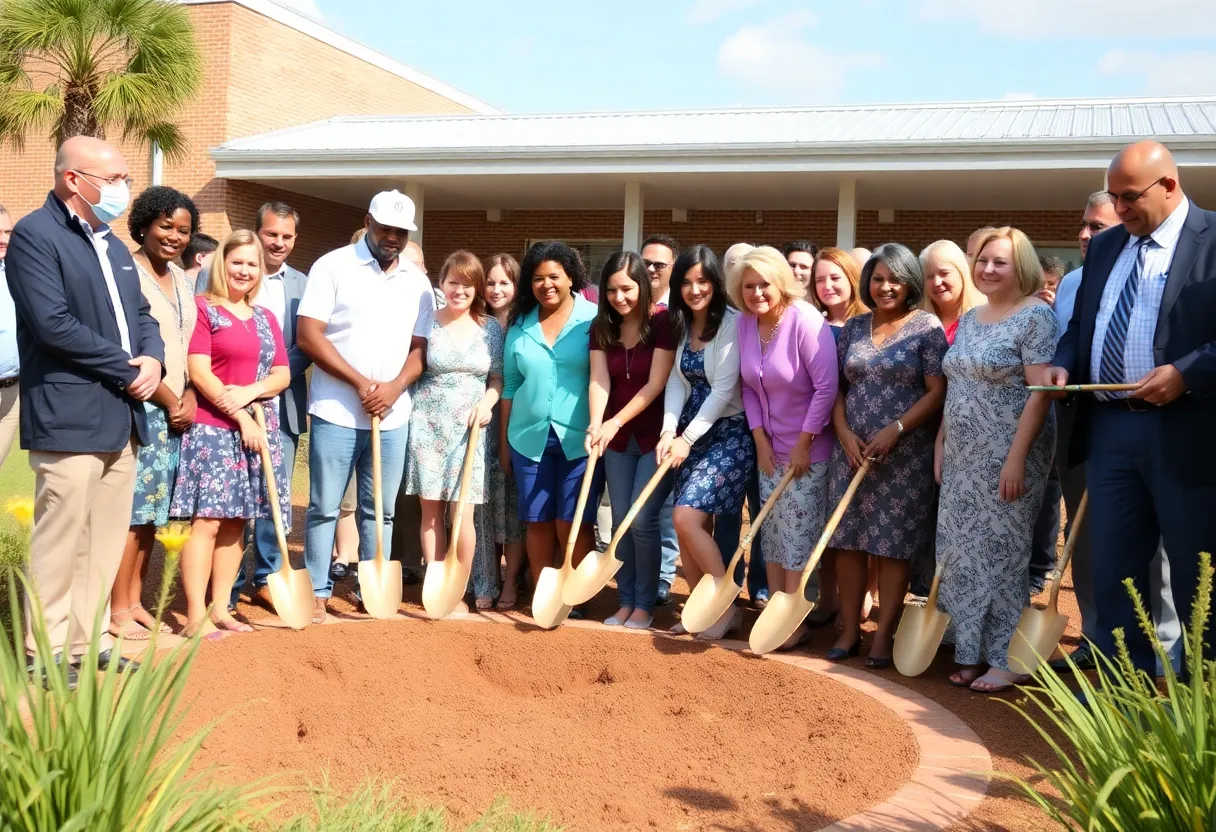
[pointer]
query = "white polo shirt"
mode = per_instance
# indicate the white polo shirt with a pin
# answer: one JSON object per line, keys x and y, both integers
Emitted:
{"x": 370, "y": 318}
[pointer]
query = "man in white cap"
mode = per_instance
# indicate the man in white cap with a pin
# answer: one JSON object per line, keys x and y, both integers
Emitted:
{"x": 364, "y": 321}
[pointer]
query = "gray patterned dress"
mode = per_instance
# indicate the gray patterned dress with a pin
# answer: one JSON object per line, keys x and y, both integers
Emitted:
{"x": 983, "y": 543}
{"x": 892, "y": 513}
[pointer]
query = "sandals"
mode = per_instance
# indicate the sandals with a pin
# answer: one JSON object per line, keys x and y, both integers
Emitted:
{"x": 484, "y": 604}
{"x": 131, "y": 629}
{"x": 163, "y": 628}
{"x": 997, "y": 684}
{"x": 966, "y": 675}
{"x": 231, "y": 625}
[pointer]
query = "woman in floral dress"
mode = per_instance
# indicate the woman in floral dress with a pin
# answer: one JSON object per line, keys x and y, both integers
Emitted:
{"x": 460, "y": 388}
{"x": 237, "y": 361}
{"x": 161, "y": 222}
{"x": 995, "y": 451}
{"x": 704, "y": 427}
{"x": 891, "y": 389}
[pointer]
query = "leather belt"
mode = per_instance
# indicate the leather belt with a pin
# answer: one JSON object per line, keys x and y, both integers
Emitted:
{"x": 9, "y": 382}
{"x": 1134, "y": 405}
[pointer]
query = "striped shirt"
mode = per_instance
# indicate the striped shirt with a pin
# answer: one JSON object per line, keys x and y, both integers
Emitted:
{"x": 1142, "y": 328}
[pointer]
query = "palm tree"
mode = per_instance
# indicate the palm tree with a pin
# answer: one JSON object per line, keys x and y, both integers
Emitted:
{"x": 82, "y": 67}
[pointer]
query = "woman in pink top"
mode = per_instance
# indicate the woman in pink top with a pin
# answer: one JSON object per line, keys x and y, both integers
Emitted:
{"x": 238, "y": 362}
{"x": 787, "y": 360}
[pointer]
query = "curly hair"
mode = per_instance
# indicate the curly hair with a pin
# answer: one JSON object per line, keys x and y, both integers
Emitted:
{"x": 154, "y": 203}
{"x": 550, "y": 250}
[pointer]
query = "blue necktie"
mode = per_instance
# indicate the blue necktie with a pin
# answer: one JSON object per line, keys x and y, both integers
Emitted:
{"x": 1110, "y": 370}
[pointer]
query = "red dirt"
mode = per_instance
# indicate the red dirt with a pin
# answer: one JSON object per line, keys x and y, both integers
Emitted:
{"x": 603, "y": 731}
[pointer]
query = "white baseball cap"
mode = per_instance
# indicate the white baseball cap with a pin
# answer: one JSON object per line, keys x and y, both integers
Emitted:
{"x": 394, "y": 209}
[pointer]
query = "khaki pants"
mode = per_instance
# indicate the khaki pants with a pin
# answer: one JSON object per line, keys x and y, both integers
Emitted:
{"x": 10, "y": 418}
{"x": 82, "y": 510}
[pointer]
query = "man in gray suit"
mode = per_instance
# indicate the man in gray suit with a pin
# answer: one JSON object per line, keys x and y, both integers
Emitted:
{"x": 276, "y": 226}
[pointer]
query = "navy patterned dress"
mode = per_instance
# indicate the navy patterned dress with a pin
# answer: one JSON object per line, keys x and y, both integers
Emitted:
{"x": 217, "y": 476}
{"x": 714, "y": 477}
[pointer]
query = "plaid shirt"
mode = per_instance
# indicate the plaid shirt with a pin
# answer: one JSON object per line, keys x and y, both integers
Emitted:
{"x": 1142, "y": 328}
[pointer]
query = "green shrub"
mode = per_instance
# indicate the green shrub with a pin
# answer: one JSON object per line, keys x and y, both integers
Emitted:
{"x": 14, "y": 546}
{"x": 376, "y": 806}
{"x": 106, "y": 757}
{"x": 1136, "y": 757}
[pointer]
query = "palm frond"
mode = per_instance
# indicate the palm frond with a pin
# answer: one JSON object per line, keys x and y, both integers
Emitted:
{"x": 172, "y": 140}
{"x": 22, "y": 111}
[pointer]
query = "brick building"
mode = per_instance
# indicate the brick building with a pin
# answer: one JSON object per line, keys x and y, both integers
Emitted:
{"x": 293, "y": 110}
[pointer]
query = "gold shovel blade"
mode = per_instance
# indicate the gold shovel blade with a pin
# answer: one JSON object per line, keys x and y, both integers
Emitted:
{"x": 443, "y": 586}
{"x": 291, "y": 594}
{"x": 708, "y": 601}
{"x": 547, "y": 608}
{"x": 380, "y": 586}
{"x": 591, "y": 575}
{"x": 918, "y": 638}
{"x": 785, "y": 611}
{"x": 1036, "y": 638}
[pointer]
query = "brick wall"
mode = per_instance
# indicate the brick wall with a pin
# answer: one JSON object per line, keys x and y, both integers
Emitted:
{"x": 447, "y": 231}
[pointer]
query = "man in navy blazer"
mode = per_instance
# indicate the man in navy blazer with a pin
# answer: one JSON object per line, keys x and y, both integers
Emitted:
{"x": 1145, "y": 315}
{"x": 91, "y": 354}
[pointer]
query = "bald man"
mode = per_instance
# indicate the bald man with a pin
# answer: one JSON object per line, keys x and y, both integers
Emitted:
{"x": 1145, "y": 315}
{"x": 91, "y": 355}
{"x": 860, "y": 256}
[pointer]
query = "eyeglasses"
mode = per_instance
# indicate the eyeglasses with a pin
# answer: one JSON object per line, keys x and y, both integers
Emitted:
{"x": 109, "y": 180}
{"x": 1129, "y": 198}
{"x": 1095, "y": 227}
{"x": 656, "y": 265}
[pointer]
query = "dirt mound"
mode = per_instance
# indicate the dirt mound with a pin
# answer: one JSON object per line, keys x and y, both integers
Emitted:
{"x": 603, "y": 731}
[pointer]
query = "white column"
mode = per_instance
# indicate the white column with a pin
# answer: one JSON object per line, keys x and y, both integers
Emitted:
{"x": 414, "y": 191}
{"x": 158, "y": 164}
{"x": 846, "y": 215}
{"x": 631, "y": 239}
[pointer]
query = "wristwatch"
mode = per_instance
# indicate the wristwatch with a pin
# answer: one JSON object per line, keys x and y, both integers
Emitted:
{"x": 899, "y": 424}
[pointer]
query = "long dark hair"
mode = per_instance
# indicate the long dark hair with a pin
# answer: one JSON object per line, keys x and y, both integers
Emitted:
{"x": 711, "y": 269}
{"x": 560, "y": 253}
{"x": 607, "y": 326}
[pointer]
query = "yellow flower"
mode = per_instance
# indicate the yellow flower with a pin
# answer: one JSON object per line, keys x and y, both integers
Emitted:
{"x": 173, "y": 536}
{"x": 21, "y": 509}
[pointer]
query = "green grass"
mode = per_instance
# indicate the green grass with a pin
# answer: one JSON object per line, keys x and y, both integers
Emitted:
{"x": 16, "y": 478}
{"x": 376, "y": 806}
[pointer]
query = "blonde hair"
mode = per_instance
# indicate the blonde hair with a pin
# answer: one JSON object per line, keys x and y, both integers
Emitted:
{"x": 844, "y": 261}
{"x": 978, "y": 233}
{"x": 732, "y": 255}
{"x": 771, "y": 265}
{"x": 1025, "y": 259}
{"x": 947, "y": 253}
{"x": 217, "y": 282}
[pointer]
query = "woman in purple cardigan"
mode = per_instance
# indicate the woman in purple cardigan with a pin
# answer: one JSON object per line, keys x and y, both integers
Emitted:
{"x": 787, "y": 358}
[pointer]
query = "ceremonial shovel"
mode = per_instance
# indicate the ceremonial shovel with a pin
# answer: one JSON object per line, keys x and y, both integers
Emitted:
{"x": 597, "y": 568}
{"x": 447, "y": 579}
{"x": 1038, "y": 633}
{"x": 920, "y": 633}
{"x": 712, "y": 597}
{"x": 786, "y": 610}
{"x": 379, "y": 579}
{"x": 290, "y": 589}
{"x": 1082, "y": 388}
{"x": 548, "y": 609}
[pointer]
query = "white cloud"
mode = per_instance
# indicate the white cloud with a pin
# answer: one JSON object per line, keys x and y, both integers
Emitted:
{"x": 1163, "y": 73}
{"x": 308, "y": 8}
{"x": 1077, "y": 18}
{"x": 707, "y": 11}
{"x": 781, "y": 56}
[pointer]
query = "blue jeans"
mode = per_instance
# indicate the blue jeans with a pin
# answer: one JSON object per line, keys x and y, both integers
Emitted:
{"x": 727, "y": 531}
{"x": 640, "y": 549}
{"x": 1046, "y": 531}
{"x": 334, "y": 452}
{"x": 671, "y": 544}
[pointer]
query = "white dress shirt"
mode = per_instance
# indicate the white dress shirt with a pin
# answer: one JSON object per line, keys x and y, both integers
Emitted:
{"x": 1142, "y": 328}
{"x": 272, "y": 296}
{"x": 371, "y": 318}
{"x": 102, "y": 246}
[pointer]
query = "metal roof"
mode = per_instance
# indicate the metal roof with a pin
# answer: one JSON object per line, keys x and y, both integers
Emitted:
{"x": 1021, "y": 124}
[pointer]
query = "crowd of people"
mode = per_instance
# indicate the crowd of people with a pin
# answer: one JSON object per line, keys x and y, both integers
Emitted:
{"x": 141, "y": 376}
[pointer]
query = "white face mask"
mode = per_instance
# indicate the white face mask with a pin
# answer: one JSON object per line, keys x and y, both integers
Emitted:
{"x": 113, "y": 202}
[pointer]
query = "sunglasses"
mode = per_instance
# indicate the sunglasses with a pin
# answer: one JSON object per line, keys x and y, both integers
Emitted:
{"x": 656, "y": 265}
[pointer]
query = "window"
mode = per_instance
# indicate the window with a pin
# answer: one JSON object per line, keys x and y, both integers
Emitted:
{"x": 595, "y": 254}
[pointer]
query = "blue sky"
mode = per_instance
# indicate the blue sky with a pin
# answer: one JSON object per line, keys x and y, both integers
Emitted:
{"x": 585, "y": 55}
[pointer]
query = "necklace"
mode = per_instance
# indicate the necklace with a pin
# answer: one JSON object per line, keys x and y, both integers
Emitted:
{"x": 175, "y": 303}
{"x": 764, "y": 342}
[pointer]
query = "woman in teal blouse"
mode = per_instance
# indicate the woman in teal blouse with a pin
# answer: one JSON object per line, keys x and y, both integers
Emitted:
{"x": 547, "y": 370}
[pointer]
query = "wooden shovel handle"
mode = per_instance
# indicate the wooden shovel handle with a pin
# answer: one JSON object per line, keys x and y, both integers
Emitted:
{"x": 643, "y": 496}
{"x": 931, "y": 601}
{"x": 272, "y": 490}
{"x": 588, "y": 476}
{"x": 466, "y": 479}
{"x": 1069, "y": 545}
{"x": 377, "y": 491}
{"x": 833, "y": 522}
{"x": 760, "y": 518}
{"x": 1082, "y": 388}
